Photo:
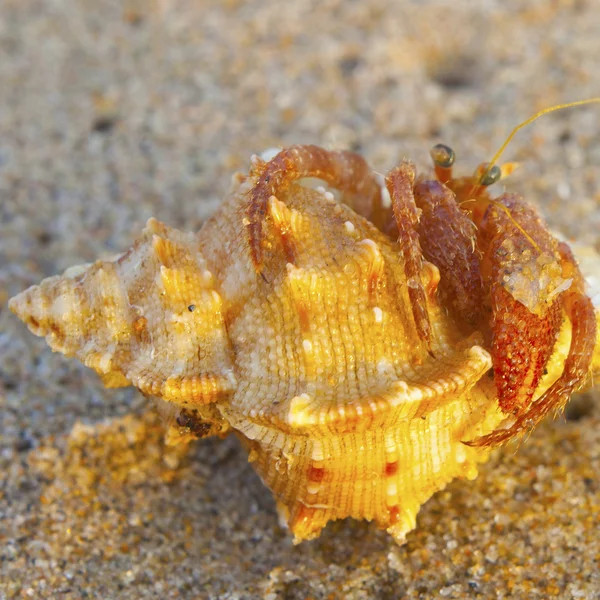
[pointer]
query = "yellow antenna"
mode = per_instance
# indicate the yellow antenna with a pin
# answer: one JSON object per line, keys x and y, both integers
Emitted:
{"x": 537, "y": 115}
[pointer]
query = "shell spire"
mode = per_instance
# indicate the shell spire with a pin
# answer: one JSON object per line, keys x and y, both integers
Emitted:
{"x": 151, "y": 318}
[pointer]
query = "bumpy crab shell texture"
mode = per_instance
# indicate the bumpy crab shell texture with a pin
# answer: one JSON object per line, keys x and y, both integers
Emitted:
{"x": 317, "y": 367}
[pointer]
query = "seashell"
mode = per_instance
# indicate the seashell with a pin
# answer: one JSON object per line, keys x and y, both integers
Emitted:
{"x": 315, "y": 360}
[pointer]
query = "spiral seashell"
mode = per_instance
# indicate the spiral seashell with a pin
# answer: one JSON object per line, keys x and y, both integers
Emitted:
{"x": 315, "y": 363}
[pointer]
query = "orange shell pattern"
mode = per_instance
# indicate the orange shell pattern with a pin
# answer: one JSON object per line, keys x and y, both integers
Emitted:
{"x": 316, "y": 366}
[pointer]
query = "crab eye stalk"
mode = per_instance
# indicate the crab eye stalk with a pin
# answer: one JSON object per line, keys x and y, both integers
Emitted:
{"x": 489, "y": 176}
{"x": 442, "y": 156}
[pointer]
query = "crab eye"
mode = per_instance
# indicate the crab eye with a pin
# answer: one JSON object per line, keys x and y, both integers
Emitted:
{"x": 442, "y": 155}
{"x": 490, "y": 176}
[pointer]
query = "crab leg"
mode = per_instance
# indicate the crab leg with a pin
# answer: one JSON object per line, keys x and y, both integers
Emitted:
{"x": 447, "y": 237}
{"x": 399, "y": 183}
{"x": 343, "y": 170}
{"x": 581, "y": 313}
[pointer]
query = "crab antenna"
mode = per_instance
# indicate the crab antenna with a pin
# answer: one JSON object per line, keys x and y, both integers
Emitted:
{"x": 537, "y": 115}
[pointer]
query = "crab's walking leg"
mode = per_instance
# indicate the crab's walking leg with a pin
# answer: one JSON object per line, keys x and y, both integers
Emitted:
{"x": 399, "y": 183}
{"x": 447, "y": 237}
{"x": 581, "y": 312}
{"x": 345, "y": 171}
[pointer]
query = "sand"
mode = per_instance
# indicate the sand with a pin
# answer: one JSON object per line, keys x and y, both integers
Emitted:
{"x": 112, "y": 112}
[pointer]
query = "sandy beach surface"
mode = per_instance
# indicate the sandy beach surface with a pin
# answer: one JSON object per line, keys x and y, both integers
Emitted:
{"x": 112, "y": 112}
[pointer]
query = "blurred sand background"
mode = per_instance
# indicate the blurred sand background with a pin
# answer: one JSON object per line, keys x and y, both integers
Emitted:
{"x": 112, "y": 112}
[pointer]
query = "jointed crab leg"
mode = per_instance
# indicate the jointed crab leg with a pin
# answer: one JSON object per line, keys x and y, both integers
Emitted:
{"x": 580, "y": 310}
{"x": 447, "y": 237}
{"x": 399, "y": 183}
{"x": 343, "y": 170}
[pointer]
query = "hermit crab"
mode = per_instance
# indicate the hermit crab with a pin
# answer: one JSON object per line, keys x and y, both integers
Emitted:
{"x": 366, "y": 349}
